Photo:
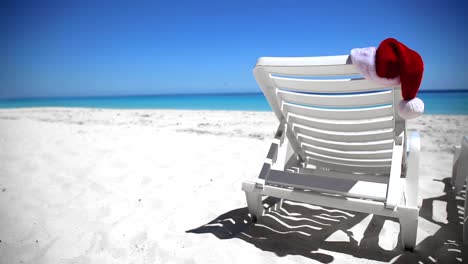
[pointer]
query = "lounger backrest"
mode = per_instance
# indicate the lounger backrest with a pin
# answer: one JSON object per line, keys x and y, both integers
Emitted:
{"x": 336, "y": 119}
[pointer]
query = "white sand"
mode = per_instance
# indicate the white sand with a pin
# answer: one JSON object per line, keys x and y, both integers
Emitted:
{"x": 124, "y": 186}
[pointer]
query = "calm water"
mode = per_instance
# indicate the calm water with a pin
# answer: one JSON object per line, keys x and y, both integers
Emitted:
{"x": 435, "y": 102}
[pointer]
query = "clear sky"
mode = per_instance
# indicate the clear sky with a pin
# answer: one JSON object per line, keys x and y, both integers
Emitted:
{"x": 84, "y": 48}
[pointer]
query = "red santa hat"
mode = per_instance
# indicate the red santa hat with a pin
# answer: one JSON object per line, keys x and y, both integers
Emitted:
{"x": 390, "y": 64}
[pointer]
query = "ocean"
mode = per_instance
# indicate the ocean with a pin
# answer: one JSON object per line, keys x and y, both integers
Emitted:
{"x": 436, "y": 102}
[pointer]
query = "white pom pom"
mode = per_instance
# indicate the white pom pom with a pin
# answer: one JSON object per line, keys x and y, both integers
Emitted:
{"x": 364, "y": 60}
{"x": 411, "y": 108}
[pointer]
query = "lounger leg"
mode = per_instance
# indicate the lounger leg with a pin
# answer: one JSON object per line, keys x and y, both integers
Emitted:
{"x": 254, "y": 203}
{"x": 254, "y": 199}
{"x": 278, "y": 205}
{"x": 408, "y": 226}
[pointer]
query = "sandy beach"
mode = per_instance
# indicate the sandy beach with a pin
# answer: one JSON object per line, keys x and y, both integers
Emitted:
{"x": 164, "y": 186}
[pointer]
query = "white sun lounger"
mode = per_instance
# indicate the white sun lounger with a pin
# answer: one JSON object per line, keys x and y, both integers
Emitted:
{"x": 340, "y": 142}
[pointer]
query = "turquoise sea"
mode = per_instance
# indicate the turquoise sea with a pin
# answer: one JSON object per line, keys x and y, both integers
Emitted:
{"x": 436, "y": 102}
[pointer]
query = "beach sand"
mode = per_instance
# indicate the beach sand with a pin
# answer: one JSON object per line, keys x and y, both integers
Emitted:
{"x": 160, "y": 186}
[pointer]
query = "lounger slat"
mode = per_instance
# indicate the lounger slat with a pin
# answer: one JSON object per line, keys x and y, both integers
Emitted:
{"x": 348, "y": 168}
{"x": 354, "y": 162}
{"x": 344, "y": 136}
{"x": 347, "y": 146}
{"x": 338, "y": 114}
{"x": 331, "y": 70}
{"x": 326, "y": 86}
{"x": 368, "y": 177}
{"x": 381, "y": 154}
{"x": 337, "y": 101}
{"x": 304, "y": 61}
{"x": 343, "y": 126}
{"x": 345, "y": 187}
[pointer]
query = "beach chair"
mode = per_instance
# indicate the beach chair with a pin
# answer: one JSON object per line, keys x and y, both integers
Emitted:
{"x": 340, "y": 142}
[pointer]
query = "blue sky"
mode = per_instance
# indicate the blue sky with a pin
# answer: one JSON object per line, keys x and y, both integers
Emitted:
{"x": 83, "y": 48}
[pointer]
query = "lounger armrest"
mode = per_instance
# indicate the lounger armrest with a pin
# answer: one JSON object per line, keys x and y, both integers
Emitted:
{"x": 460, "y": 166}
{"x": 272, "y": 155}
{"x": 284, "y": 150}
{"x": 394, "y": 183}
{"x": 412, "y": 169}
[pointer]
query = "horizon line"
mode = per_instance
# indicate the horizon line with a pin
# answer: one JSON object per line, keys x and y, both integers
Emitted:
{"x": 185, "y": 94}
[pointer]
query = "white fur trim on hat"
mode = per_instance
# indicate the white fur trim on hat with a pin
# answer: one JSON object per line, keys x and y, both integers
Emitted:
{"x": 411, "y": 108}
{"x": 364, "y": 60}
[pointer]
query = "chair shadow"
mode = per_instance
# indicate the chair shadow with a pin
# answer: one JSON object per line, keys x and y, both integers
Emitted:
{"x": 301, "y": 229}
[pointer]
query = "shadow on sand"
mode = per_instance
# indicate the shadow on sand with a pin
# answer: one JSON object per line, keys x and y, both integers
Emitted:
{"x": 301, "y": 229}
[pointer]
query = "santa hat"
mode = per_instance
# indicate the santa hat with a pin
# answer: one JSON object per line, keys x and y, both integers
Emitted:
{"x": 390, "y": 64}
